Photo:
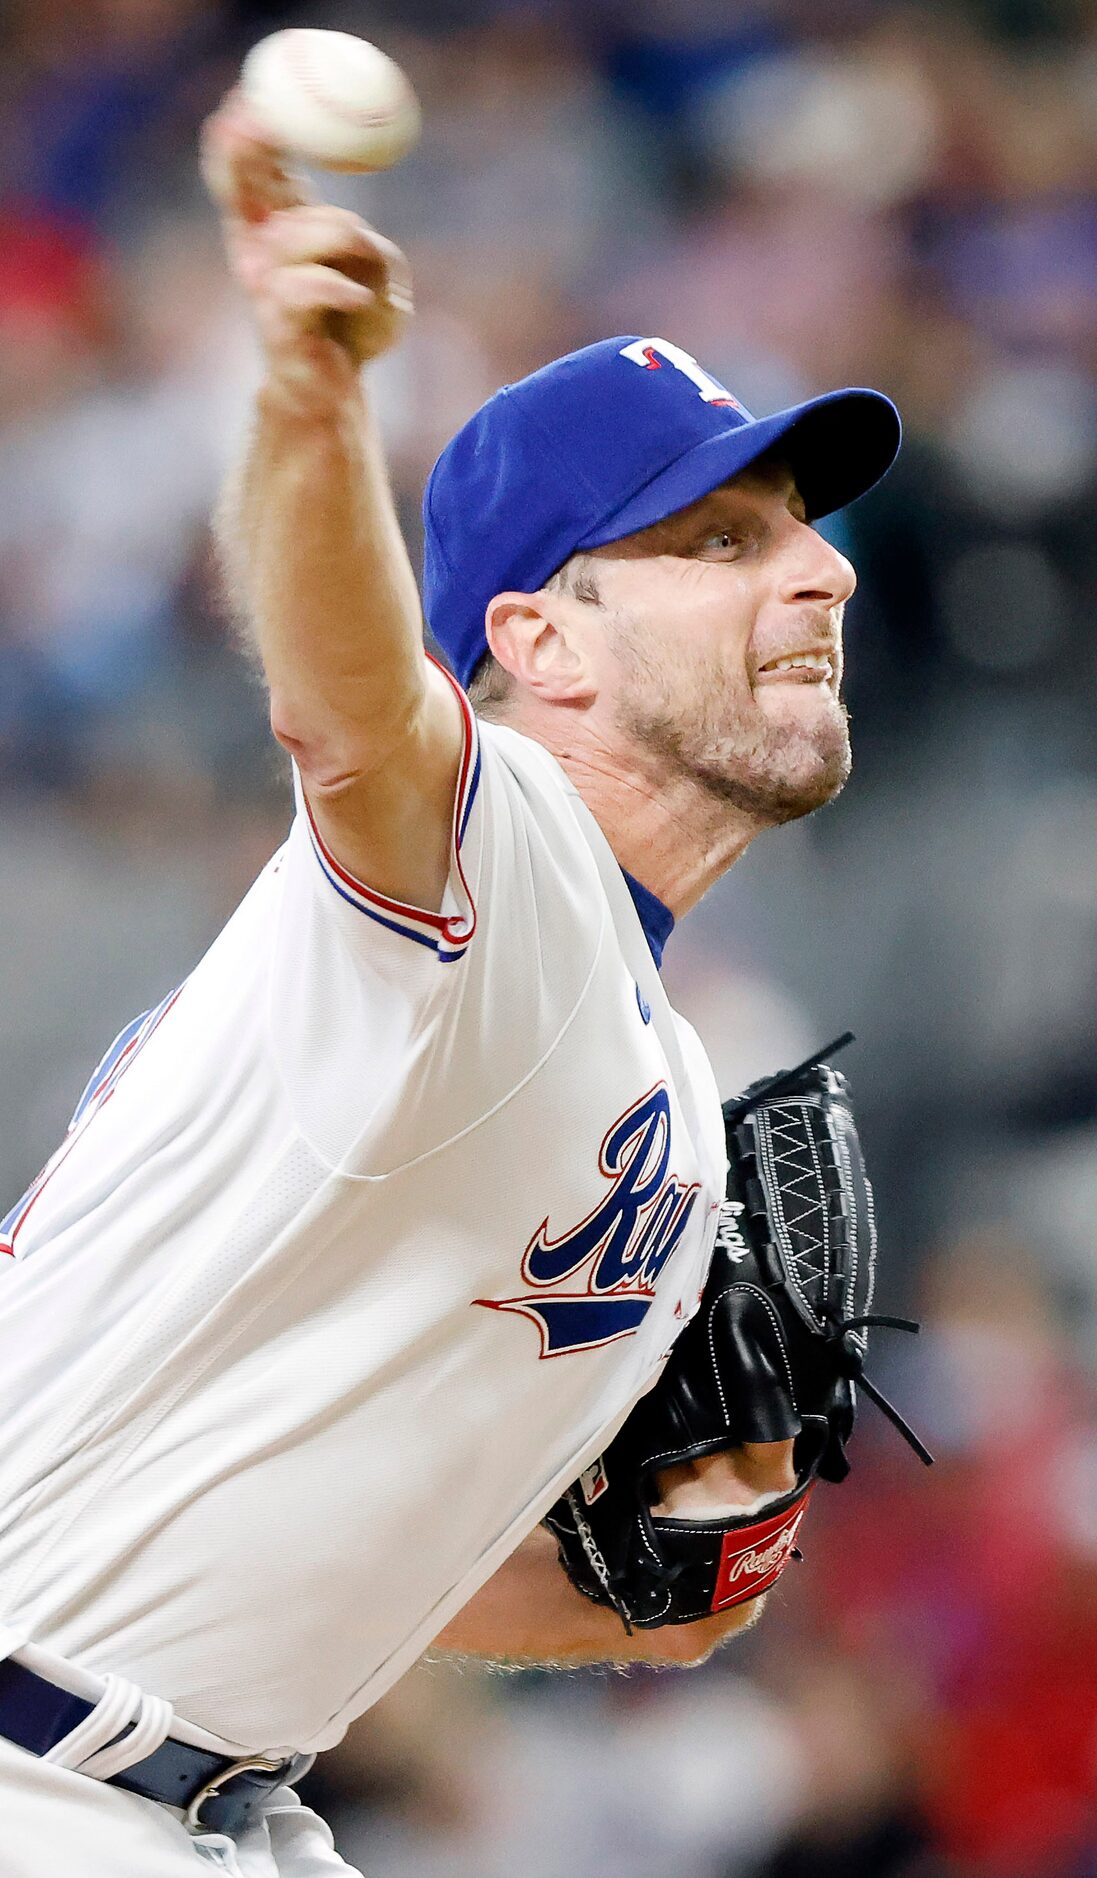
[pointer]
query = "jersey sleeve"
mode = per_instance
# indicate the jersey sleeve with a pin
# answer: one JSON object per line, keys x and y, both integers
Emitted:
{"x": 394, "y": 1026}
{"x": 446, "y": 933}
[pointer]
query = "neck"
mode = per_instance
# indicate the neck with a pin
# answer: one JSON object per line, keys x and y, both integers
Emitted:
{"x": 673, "y": 836}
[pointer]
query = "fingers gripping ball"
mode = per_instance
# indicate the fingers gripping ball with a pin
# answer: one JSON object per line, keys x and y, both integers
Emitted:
{"x": 331, "y": 98}
{"x": 775, "y": 1353}
{"x": 310, "y": 269}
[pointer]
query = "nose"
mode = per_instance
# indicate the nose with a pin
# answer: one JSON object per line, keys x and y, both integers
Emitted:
{"x": 815, "y": 568}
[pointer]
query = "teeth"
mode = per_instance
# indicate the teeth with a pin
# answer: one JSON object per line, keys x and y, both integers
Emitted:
{"x": 815, "y": 661}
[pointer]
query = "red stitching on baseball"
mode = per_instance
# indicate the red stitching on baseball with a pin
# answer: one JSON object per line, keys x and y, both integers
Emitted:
{"x": 298, "y": 54}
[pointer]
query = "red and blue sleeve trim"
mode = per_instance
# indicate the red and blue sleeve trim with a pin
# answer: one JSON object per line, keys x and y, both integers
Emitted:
{"x": 447, "y": 935}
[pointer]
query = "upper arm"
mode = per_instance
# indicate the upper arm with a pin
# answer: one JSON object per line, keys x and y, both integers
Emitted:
{"x": 383, "y": 813}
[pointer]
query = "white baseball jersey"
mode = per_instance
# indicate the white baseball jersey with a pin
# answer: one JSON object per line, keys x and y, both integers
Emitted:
{"x": 357, "y": 1249}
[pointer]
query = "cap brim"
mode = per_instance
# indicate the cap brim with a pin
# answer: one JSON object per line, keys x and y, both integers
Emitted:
{"x": 837, "y": 447}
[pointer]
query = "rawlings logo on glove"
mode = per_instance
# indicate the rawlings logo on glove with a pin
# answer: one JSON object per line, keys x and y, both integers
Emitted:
{"x": 745, "y": 1570}
{"x": 775, "y": 1353}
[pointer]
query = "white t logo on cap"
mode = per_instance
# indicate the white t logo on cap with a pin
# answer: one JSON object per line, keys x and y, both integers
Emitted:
{"x": 650, "y": 352}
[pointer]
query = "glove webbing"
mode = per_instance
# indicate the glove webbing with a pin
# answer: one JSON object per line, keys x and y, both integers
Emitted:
{"x": 852, "y": 1362}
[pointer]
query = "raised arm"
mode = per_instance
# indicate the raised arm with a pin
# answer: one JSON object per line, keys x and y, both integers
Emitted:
{"x": 308, "y": 532}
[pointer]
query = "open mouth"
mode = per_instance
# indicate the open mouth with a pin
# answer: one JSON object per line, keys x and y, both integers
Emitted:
{"x": 812, "y": 667}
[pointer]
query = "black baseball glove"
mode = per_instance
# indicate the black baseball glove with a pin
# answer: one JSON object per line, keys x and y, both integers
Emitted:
{"x": 774, "y": 1353}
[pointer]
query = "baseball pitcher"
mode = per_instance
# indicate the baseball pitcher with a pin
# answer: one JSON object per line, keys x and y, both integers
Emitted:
{"x": 363, "y": 1246}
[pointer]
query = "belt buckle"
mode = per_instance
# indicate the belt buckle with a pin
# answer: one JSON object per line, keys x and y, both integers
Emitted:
{"x": 255, "y": 1763}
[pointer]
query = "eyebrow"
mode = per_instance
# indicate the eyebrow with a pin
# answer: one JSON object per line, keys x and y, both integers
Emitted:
{"x": 685, "y": 521}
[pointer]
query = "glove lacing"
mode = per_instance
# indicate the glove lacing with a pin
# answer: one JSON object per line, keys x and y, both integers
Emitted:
{"x": 772, "y": 1085}
{"x": 851, "y": 1363}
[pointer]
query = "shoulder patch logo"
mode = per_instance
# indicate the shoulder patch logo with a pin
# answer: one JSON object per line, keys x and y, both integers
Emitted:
{"x": 609, "y": 1263}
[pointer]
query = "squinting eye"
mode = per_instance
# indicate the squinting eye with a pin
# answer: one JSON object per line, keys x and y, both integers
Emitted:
{"x": 721, "y": 539}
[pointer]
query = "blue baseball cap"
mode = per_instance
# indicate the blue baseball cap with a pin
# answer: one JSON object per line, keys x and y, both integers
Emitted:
{"x": 601, "y": 443}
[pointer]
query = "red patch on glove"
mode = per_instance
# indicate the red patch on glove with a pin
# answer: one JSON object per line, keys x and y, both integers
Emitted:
{"x": 752, "y": 1558}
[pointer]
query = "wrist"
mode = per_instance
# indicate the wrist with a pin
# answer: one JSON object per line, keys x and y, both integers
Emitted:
{"x": 312, "y": 377}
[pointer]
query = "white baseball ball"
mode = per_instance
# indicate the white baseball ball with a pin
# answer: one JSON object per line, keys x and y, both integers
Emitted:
{"x": 331, "y": 98}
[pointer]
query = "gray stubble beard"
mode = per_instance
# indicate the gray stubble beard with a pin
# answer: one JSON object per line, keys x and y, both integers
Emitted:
{"x": 750, "y": 773}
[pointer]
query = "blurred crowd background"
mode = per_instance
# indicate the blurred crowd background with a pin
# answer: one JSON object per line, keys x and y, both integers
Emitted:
{"x": 803, "y": 195}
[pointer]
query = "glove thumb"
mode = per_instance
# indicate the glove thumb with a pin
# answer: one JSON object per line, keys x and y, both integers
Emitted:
{"x": 729, "y": 1371}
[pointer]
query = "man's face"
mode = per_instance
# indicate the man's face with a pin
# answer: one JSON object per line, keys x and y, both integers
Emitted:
{"x": 723, "y": 647}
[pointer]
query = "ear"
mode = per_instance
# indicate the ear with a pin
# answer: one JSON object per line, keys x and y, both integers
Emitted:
{"x": 535, "y": 638}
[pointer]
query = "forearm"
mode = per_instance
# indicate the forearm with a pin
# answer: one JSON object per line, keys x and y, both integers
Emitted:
{"x": 316, "y": 564}
{"x": 308, "y": 531}
{"x": 529, "y": 1613}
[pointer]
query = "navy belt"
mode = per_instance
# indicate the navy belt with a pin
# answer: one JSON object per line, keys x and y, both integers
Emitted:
{"x": 214, "y": 1792}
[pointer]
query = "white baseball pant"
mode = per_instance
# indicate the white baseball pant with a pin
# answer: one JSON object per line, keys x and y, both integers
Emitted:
{"x": 54, "y": 1820}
